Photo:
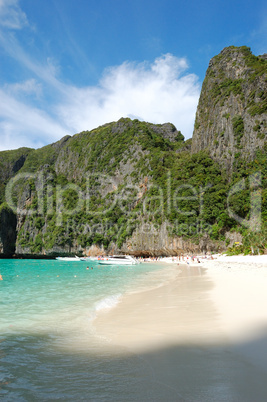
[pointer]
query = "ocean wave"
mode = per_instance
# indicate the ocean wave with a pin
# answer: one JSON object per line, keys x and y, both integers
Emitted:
{"x": 108, "y": 302}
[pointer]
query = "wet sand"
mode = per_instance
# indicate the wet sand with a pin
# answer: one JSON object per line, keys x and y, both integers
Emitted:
{"x": 180, "y": 311}
{"x": 202, "y": 337}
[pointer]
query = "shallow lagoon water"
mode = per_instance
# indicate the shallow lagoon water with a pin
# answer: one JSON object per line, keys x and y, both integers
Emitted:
{"x": 52, "y": 349}
{"x": 48, "y": 345}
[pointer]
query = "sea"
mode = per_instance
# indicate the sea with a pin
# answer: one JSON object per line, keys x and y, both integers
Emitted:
{"x": 49, "y": 347}
{"x": 51, "y": 350}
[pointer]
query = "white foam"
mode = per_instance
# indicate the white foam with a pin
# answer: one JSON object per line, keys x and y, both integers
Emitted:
{"x": 108, "y": 302}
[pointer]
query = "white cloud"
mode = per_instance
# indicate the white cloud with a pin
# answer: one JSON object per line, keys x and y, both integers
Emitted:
{"x": 28, "y": 87}
{"x": 156, "y": 93}
{"x": 22, "y": 125}
{"x": 11, "y": 16}
{"x": 43, "y": 108}
{"x": 159, "y": 92}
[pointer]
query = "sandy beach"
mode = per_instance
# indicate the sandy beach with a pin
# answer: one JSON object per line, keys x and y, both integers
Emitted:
{"x": 239, "y": 294}
{"x": 203, "y": 334}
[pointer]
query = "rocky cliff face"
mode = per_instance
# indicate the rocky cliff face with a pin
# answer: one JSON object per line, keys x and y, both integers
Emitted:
{"x": 231, "y": 118}
{"x": 139, "y": 188}
{"x": 8, "y": 233}
{"x": 149, "y": 241}
{"x": 10, "y": 163}
{"x": 110, "y": 168}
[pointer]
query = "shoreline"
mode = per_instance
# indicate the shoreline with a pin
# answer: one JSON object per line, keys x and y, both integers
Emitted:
{"x": 234, "y": 286}
{"x": 26, "y": 257}
{"x": 168, "y": 342}
{"x": 200, "y": 337}
{"x": 160, "y": 316}
{"x": 219, "y": 302}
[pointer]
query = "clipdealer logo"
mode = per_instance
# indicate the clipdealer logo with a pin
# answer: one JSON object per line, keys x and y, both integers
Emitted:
{"x": 50, "y": 197}
{"x": 255, "y": 219}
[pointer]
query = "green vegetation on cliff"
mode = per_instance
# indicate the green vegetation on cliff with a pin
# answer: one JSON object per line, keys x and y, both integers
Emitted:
{"x": 128, "y": 182}
{"x": 231, "y": 116}
{"x": 99, "y": 187}
{"x": 10, "y": 163}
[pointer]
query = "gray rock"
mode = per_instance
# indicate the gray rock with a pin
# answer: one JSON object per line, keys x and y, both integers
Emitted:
{"x": 231, "y": 118}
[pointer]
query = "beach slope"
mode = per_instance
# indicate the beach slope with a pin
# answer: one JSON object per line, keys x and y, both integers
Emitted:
{"x": 203, "y": 335}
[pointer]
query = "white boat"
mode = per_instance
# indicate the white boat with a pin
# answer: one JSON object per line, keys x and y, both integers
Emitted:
{"x": 92, "y": 258}
{"x": 119, "y": 260}
{"x": 70, "y": 258}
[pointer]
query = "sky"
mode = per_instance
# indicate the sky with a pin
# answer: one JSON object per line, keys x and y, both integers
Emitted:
{"x": 68, "y": 66}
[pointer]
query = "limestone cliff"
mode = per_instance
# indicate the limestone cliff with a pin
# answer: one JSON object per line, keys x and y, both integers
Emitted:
{"x": 10, "y": 163}
{"x": 139, "y": 188}
{"x": 8, "y": 234}
{"x": 231, "y": 118}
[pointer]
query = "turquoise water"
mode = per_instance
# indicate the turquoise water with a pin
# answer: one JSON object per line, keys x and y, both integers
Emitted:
{"x": 51, "y": 351}
{"x": 48, "y": 346}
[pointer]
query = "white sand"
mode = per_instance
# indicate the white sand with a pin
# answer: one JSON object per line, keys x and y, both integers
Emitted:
{"x": 164, "y": 315}
{"x": 240, "y": 294}
{"x": 202, "y": 336}
{"x": 225, "y": 301}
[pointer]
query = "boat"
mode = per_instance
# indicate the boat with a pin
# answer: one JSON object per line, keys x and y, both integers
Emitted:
{"x": 76, "y": 258}
{"x": 92, "y": 258}
{"x": 118, "y": 260}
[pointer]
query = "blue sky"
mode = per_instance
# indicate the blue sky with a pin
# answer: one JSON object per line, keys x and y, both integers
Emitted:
{"x": 72, "y": 65}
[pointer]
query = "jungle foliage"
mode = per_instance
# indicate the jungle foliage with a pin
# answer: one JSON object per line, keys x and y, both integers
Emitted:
{"x": 98, "y": 187}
